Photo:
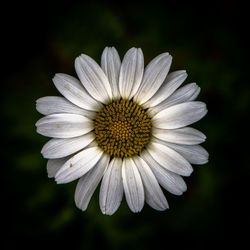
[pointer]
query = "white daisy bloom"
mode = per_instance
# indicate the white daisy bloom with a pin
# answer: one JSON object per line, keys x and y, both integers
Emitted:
{"x": 124, "y": 126}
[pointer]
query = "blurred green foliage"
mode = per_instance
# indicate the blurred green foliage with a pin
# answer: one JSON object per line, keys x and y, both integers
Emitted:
{"x": 43, "y": 39}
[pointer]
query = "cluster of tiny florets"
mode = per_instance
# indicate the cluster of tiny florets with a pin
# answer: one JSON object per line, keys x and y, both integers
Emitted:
{"x": 122, "y": 128}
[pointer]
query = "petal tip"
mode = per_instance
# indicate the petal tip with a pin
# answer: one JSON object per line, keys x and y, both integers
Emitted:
{"x": 59, "y": 181}
{"x": 107, "y": 212}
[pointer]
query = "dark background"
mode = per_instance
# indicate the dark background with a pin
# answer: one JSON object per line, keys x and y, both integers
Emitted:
{"x": 208, "y": 40}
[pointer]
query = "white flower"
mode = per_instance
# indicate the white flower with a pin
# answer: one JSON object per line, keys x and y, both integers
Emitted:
{"x": 124, "y": 125}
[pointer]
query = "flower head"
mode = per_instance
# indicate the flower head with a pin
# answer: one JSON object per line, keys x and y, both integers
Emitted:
{"x": 124, "y": 126}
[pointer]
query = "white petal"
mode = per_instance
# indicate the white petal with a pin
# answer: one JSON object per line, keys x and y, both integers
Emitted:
{"x": 49, "y": 105}
{"x": 64, "y": 125}
{"x": 78, "y": 165}
{"x": 133, "y": 186}
{"x": 111, "y": 65}
{"x": 181, "y": 95}
{"x": 54, "y": 165}
{"x": 111, "y": 190}
{"x": 58, "y": 148}
{"x": 172, "y": 182}
{"x": 187, "y": 135}
{"x": 194, "y": 95}
{"x": 88, "y": 183}
{"x": 169, "y": 159}
{"x": 72, "y": 89}
{"x": 195, "y": 154}
{"x": 170, "y": 84}
{"x": 154, "y": 75}
{"x": 153, "y": 193}
{"x": 131, "y": 73}
{"x": 180, "y": 115}
{"x": 93, "y": 78}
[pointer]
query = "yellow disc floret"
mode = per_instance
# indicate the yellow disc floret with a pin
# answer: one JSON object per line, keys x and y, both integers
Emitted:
{"x": 122, "y": 128}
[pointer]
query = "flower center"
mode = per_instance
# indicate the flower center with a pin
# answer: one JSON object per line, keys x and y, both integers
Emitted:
{"x": 122, "y": 128}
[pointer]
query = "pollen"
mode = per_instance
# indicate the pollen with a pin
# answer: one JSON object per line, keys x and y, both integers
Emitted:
{"x": 122, "y": 128}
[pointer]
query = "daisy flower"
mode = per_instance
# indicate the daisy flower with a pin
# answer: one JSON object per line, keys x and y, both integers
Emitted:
{"x": 124, "y": 126}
